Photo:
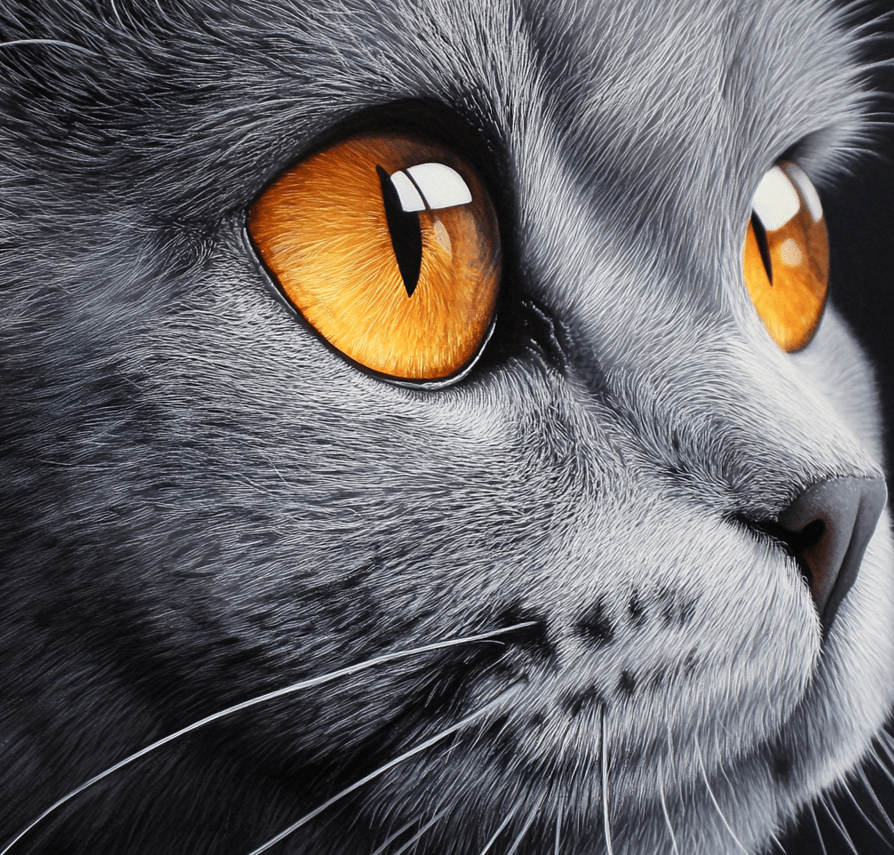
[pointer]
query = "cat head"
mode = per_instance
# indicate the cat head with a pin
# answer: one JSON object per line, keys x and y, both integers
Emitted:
{"x": 207, "y": 499}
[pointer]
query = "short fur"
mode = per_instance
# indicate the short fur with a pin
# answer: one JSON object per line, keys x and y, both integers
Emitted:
{"x": 202, "y": 503}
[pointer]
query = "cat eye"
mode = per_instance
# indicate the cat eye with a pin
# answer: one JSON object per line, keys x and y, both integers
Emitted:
{"x": 787, "y": 256}
{"x": 389, "y": 248}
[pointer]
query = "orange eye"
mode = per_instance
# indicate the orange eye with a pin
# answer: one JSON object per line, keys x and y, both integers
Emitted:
{"x": 787, "y": 256}
{"x": 389, "y": 247}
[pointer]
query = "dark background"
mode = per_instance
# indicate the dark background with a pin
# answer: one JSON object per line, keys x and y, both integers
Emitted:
{"x": 860, "y": 217}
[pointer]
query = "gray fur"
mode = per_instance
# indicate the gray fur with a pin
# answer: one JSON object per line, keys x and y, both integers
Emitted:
{"x": 202, "y": 503}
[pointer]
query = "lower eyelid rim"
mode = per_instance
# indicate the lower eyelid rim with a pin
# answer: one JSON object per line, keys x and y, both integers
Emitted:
{"x": 266, "y": 274}
{"x": 425, "y": 385}
{"x": 434, "y": 385}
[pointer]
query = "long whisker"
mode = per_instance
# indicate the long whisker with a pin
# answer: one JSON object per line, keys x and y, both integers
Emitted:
{"x": 260, "y": 699}
{"x": 509, "y": 816}
{"x": 606, "y": 818}
{"x": 819, "y": 833}
{"x": 777, "y": 843}
{"x": 389, "y": 765}
{"x": 837, "y": 822}
{"x": 884, "y": 743}
{"x": 874, "y": 796}
{"x": 56, "y": 42}
{"x": 418, "y": 834}
{"x": 559, "y": 827}
{"x": 524, "y": 829}
{"x": 863, "y": 813}
{"x": 875, "y": 755}
{"x": 664, "y": 810}
{"x": 393, "y": 836}
{"x": 723, "y": 819}
{"x": 672, "y": 756}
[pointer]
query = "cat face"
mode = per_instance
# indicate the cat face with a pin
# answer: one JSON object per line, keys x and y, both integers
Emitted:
{"x": 206, "y": 499}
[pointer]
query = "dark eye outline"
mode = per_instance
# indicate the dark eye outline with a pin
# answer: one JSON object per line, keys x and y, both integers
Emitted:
{"x": 788, "y": 160}
{"x": 425, "y": 385}
{"x": 429, "y": 122}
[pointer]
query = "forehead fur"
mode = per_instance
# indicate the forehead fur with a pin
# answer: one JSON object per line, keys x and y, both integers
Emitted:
{"x": 617, "y": 86}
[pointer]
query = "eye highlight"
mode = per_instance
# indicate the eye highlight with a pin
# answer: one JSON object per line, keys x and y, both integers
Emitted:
{"x": 389, "y": 248}
{"x": 786, "y": 261}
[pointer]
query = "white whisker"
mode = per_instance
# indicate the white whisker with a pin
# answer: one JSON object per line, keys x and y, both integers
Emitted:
{"x": 509, "y": 816}
{"x": 428, "y": 743}
{"x": 819, "y": 833}
{"x": 664, "y": 810}
{"x": 393, "y": 836}
{"x": 559, "y": 827}
{"x": 879, "y": 806}
{"x": 606, "y": 817}
{"x": 875, "y": 22}
{"x": 671, "y": 753}
{"x": 837, "y": 822}
{"x": 260, "y": 699}
{"x": 415, "y": 838}
{"x": 863, "y": 813}
{"x": 885, "y": 740}
{"x": 57, "y": 42}
{"x": 777, "y": 843}
{"x": 885, "y": 744}
{"x": 524, "y": 829}
{"x": 716, "y": 804}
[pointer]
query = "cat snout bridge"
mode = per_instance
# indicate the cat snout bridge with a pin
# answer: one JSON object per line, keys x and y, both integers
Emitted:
{"x": 827, "y": 528}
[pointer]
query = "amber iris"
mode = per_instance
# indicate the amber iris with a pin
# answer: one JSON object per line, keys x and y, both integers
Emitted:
{"x": 787, "y": 256}
{"x": 389, "y": 248}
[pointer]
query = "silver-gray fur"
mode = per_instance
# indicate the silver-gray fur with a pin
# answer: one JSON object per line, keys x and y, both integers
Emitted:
{"x": 202, "y": 503}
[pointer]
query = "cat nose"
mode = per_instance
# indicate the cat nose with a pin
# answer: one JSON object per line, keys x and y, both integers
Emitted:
{"x": 828, "y": 528}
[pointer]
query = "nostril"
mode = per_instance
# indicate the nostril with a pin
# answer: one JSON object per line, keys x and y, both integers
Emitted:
{"x": 828, "y": 528}
{"x": 807, "y": 538}
{"x": 799, "y": 543}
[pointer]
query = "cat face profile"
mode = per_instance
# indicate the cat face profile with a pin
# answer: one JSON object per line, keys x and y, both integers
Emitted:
{"x": 387, "y": 392}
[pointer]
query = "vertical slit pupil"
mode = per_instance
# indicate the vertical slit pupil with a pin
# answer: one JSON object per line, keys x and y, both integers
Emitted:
{"x": 406, "y": 233}
{"x": 762, "y": 244}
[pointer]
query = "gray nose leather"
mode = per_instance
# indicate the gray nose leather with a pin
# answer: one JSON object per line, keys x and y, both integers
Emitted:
{"x": 830, "y": 525}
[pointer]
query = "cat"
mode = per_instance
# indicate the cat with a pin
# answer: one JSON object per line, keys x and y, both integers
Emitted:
{"x": 386, "y": 395}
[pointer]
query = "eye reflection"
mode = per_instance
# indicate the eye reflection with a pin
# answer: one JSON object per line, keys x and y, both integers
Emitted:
{"x": 438, "y": 184}
{"x": 443, "y": 236}
{"x": 425, "y": 186}
{"x": 786, "y": 258}
{"x": 389, "y": 247}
